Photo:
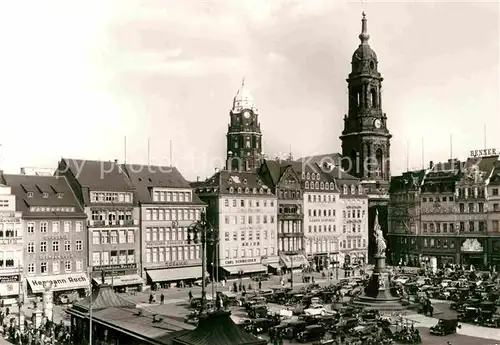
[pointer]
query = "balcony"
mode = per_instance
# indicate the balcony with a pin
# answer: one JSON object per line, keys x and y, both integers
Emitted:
{"x": 111, "y": 223}
{"x": 290, "y": 234}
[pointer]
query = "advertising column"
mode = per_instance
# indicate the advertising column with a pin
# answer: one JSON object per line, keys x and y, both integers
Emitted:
{"x": 48, "y": 296}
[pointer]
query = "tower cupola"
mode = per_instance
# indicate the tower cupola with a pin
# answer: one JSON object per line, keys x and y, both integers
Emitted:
{"x": 243, "y": 100}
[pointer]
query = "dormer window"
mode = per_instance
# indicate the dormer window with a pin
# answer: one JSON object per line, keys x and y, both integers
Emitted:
{"x": 254, "y": 191}
{"x": 269, "y": 191}
{"x": 245, "y": 181}
{"x": 303, "y": 175}
{"x": 247, "y": 190}
{"x": 313, "y": 176}
{"x": 316, "y": 185}
{"x": 322, "y": 185}
{"x": 231, "y": 190}
{"x": 307, "y": 184}
{"x": 59, "y": 195}
{"x": 45, "y": 195}
{"x": 317, "y": 176}
{"x": 360, "y": 189}
{"x": 344, "y": 189}
{"x": 353, "y": 190}
{"x": 327, "y": 186}
{"x": 239, "y": 189}
{"x": 261, "y": 191}
{"x": 30, "y": 194}
{"x": 308, "y": 176}
{"x": 332, "y": 186}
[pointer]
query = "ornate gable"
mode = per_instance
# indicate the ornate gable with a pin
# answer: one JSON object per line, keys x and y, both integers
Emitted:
{"x": 289, "y": 179}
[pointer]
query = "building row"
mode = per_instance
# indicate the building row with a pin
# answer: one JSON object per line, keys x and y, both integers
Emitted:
{"x": 447, "y": 214}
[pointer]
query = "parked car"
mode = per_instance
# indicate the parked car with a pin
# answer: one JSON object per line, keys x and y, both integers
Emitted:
{"x": 445, "y": 327}
{"x": 317, "y": 309}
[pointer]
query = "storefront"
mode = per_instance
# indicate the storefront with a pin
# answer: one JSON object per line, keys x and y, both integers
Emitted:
{"x": 61, "y": 284}
{"x": 10, "y": 289}
{"x": 122, "y": 276}
{"x": 242, "y": 267}
{"x": 179, "y": 275}
{"x": 293, "y": 262}
{"x": 472, "y": 253}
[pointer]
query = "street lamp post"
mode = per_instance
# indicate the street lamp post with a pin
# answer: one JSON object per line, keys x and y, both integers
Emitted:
{"x": 202, "y": 232}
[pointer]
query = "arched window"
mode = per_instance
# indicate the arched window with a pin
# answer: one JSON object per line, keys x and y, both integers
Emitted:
{"x": 231, "y": 190}
{"x": 239, "y": 190}
{"x": 327, "y": 186}
{"x": 344, "y": 189}
{"x": 308, "y": 176}
{"x": 373, "y": 98}
{"x": 303, "y": 175}
{"x": 307, "y": 184}
{"x": 380, "y": 163}
{"x": 316, "y": 185}
{"x": 313, "y": 176}
{"x": 332, "y": 185}
{"x": 246, "y": 190}
{"x": 321, "y": 185}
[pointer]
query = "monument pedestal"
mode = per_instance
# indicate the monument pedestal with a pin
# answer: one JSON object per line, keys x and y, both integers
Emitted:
{"x": 378, "y": 293}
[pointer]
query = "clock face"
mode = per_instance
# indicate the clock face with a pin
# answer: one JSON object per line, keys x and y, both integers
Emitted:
{"x": 246, "y": 114}
{"x": 377, "y": 123}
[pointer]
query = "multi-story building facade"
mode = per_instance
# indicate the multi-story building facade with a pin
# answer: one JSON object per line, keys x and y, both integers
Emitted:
{"x": 472, "y": 213}
{"x": 11, "y": 247}
{"x": 107, "y": 194}
{"x": 321, "y": 211}
{"x": 493, "y": 194}
{"x": 438, "y": 233}
{"x": 243, "y": 210}
{"x": 55, "y": 240}
{"x": 286, "y": 183}
{"x": 404, "y": 218}
{"x": 168, "y": 208}
{"x": 352, "y": 220}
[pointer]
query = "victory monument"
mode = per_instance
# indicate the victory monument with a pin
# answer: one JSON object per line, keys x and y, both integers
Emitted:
{"x": 378, "y": 292}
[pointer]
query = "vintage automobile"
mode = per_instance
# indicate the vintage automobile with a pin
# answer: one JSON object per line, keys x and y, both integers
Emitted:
{"x": 192, "y": 318}
{"x": 445, "y": 327}
{"x": 311, "y": 333}
{"x": 470, "y": 314}
{"x": 257, "y": 311}
{"x": 317, "y": 309}
{"x": 488, "y": 319}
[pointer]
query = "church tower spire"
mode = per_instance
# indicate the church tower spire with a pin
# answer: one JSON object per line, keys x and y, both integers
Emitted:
{"x": 366, "y": 138}
{"x": 244, "y": 138}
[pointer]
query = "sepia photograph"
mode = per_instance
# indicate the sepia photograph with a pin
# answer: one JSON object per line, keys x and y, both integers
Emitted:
{"x": 250, "y": 172}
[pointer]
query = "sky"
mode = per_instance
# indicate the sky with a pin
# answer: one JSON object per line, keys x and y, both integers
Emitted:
{"x": 77, "y": 77}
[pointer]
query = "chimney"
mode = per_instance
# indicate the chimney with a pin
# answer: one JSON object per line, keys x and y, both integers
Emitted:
{"x": 216, "y": 170}
{"x": 116, "y": 161}
{"x": 197, "y": 179}
{"x": 431, "y": 164}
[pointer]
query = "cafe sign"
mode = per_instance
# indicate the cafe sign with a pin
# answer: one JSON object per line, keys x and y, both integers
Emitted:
{"x": 179, "y": 263}
{"x": 239, "y": 261}
{"x": 484, "y": 152}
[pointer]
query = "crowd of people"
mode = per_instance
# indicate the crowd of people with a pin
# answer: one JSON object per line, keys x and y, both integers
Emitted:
{"x": 48, "y": 333}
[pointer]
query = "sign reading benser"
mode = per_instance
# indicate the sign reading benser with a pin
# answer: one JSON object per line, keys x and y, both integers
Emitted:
{"x": 484, "y": 152}
{"x": 60, "y": 282}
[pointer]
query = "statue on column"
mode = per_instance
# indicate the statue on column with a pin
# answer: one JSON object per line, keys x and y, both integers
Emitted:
{"x": 379, "y": 237}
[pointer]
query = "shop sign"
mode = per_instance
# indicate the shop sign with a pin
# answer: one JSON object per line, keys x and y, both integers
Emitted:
{"x": 7, "y": 279}
{"x": 471, "y": 245}
{"x": 176, "y": 243}
{"x": 55, "y": 237}
{"x": 9, "y": 289}
{"x": 114, "y": 267}
{"x": 179, "y": 263}
{"x": 167, "y": 243}
{"x": 63, "y": 282}
{"x": 484, "y": 152}
{"x": 11, "y": 240}
{"x": 239, "y": 261}
{"x": 57, "y": 256}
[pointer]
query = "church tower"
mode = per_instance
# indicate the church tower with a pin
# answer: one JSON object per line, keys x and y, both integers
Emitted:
{"x": 244, "y": 138}
{"x": 366, "y": 138}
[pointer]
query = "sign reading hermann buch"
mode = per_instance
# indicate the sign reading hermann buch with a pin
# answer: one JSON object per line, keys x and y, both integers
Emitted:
{"x": 60, "y": 282}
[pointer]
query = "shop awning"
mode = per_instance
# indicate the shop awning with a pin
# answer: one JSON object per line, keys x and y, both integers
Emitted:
{"x": 294, "y": 261}
{"x": 275, "y": 265}
{"x": 60, "y": 282}
{"x": 130, "y": 279}
{"x": 174, "y": 274}
{"x": 246, "y": 269}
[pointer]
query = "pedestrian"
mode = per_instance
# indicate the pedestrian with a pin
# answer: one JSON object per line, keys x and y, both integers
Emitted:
{"x": 7, "y": 311}
{"x": 162, "y": 299}
{"x": 150, "y": 298}
{"x": 260, "y": 284}
{"x": 431, "y": 310}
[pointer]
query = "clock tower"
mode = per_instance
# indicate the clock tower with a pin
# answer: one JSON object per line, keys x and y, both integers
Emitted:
{"x": 366, "y": 138}
{"x": 244, "y": 138}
